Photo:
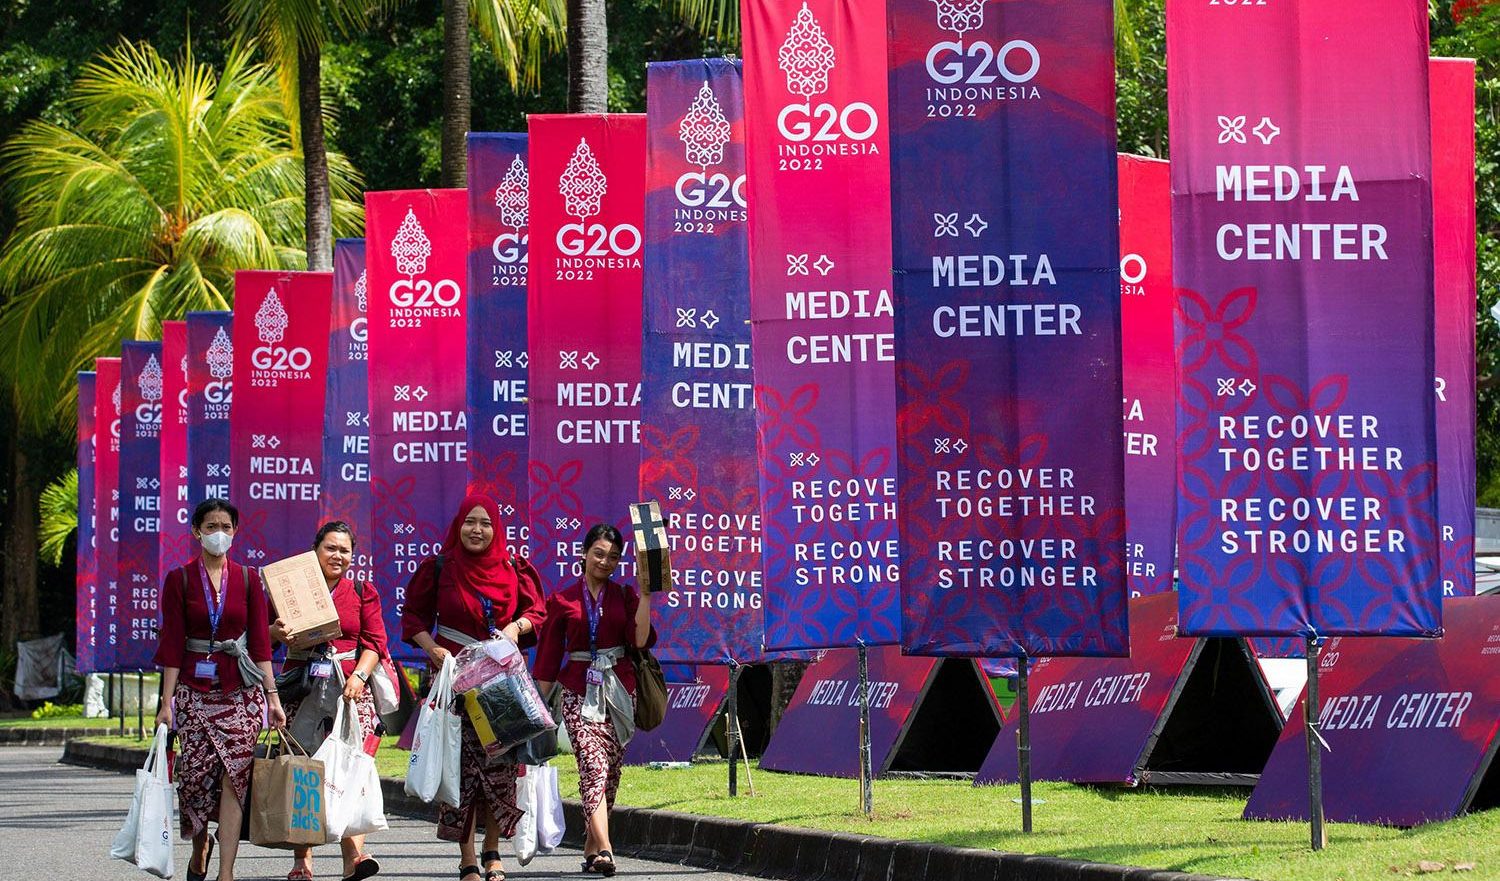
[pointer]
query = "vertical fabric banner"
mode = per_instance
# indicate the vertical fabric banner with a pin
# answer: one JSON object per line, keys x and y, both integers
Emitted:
{"x": 1452, "y": 90}
{"x": 107, "y": 395}
{"x": 816, "y": 154}
{"x": 346, "y": 418}
{"x": 1149, "y": 373}
{"x": 697, "y": 392}
{"x": 1302, "y": 259}
{"x": 210, "y": 352}
{"x": 588, "y": 177}
{"x": 175, "y": 545}
{"x": 86, "y": 599}
{"x": 140, "y": 501}
{"x": 498, "y": 243}
{"x": 1003, "y": 178}
{"x": 414, "y": 258}
{"x": 276, "y": 420}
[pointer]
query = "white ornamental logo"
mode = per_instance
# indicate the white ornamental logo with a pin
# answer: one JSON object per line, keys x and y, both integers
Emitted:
{"x": 411, "y": 247}
{"x": 582, "y": 183}
{"x": 150, "y": 380}
{"x": 271, "y": 319}
{"x": 704, "y": 131}
{"x": 960, "y": 16}
{"x": 510, "y": 196}
{"x": 806, "y": 57}
{"x": 361, "y": 289}
{"x": 116, "y": 399}
{"x": 184, "y": 368}
{"x": 220, "y": 356}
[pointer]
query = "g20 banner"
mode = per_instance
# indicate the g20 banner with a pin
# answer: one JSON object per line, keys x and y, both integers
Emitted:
{"x": 175, "y": 545}
{"x": 346, "y": 418}
{"x": 210, "y": 352}
{"x": 86, "y": 599}
{"x": 140, "y": 501}
{"x": 498, "y": 360}
{"x": 1008, "y": 329}
{"x": 107, "y": 394}
{"x": 1302, "y": 221}
{"x": 414, "y": 257}
{"x": 276, "y": 420}
{"x": 816, "y": 154}
{"x": 587, "y": 199}
{"x": 697, "y": 392}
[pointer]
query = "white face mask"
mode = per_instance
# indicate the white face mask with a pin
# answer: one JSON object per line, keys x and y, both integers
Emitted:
{"x": 216, "y": 543}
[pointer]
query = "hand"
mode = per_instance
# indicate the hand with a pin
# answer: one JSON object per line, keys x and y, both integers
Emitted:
{"x": 276, "y": 715}
{"x": 512, "y": 632}
{"x": 437, "y": 655}
{"x": 164, "y": 715}
{"x": 278, "y": 630}
{"x": 353, "y": 688}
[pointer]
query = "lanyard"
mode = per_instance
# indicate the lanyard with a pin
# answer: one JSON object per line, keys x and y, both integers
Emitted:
{"x": 489, "y": 617}
{"x": 595, "y": 612}
{"x": 215, "y": 611}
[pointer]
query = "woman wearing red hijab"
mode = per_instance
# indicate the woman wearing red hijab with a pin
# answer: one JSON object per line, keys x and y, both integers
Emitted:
{"x": 472, "y": 590}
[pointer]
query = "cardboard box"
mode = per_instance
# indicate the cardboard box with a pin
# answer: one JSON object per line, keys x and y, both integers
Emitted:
{"x": 653, "y": 562}
{"x": 300, "y": 595}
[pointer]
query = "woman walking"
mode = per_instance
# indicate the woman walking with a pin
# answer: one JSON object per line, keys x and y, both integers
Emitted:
{"x": 215, "y": 654}
{"x": 590, "y": 625}
{"x": 471, "y": 591}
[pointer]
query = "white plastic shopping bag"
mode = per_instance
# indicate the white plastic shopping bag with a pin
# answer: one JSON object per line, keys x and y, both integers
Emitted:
{"x": 434, "y": 768}
{"x": 549, "y": 808}
{"x": 356, "y": 806}
{"x": 525, "y": 839}
{"x": 146, "y": 837}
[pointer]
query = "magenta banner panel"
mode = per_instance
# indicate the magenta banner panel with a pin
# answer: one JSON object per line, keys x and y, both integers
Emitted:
{"x": 587, "y": 197}
{"x": 140, "y": 502}
{"x": 418, "y": 424}
{"x": 276, "y": 439}
{"x": 819, "y": 733}
{"x": 1452, "y": 90}
{"x": 346, "y": 419}
{"x": 1302, "y": 234}
{"x": 817, "y": 162}
{"x": 1149, "y": 373}
{"x": 175, "y": 545}
{"x": 210, "y": 351}
{"x": 691, "y": 709}
{"x": 86, "y": 597}
{"x": 698, "y": 395}
{"x": 107, "y": 400}
{"x": 498, "y": 261}
{"x": 1411, "y": 726}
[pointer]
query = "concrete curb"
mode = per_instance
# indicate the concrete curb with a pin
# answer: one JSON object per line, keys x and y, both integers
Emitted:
{"x": 764, "y": 850}
{"x": 52, "y": 736}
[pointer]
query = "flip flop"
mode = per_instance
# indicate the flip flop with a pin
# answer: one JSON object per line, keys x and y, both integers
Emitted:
{"x": 364, "y": 867}
{"x": 604, "y": 863}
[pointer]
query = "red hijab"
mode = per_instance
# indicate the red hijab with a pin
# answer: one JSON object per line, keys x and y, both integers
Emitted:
{"x": 488, "y": 573}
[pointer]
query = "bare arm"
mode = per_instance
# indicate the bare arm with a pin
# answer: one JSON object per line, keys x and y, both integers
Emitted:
{"x": 168, "y": 688}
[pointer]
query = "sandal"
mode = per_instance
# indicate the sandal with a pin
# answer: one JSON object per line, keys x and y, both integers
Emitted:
{"x": 466, "y": 871}
{"x": 299, "y": 875}
{"x": 207, "y": 855}
{"x": 588, "y": 862}
{"x": 604, "y": 863}
{"x": 365, "y": 866}
{"x": 492, "y": 856}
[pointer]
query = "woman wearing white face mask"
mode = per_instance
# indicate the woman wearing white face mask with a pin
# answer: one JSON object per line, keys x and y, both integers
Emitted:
{"x": 215, "y": 653}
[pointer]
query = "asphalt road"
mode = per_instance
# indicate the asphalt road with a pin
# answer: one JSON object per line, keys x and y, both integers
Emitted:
{"x": 57, "y": 822}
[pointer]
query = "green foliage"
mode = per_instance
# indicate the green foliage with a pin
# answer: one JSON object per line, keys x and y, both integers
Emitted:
{"x": 1141, "y": 78}
{"x": 59, "y": 519}
{"x": 49, "y": 710}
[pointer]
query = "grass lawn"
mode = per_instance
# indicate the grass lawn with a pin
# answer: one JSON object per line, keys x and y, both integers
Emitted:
{"x": 65, "y": 722}
{"x": 1190, "y": 830}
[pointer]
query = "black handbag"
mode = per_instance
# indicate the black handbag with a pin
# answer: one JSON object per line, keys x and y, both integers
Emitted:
{"x": 542, "y": 748}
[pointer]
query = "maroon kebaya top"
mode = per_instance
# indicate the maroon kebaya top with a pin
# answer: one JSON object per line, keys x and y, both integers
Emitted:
{"x": 359, "y": 616}
{"x": 430, "y": 603}
{"x": 184, "y": 616}
{"x": 567, "y": 631}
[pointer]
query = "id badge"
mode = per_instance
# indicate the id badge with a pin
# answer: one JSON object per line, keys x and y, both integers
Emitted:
{"x": 206, "y": 669}
{"x": 594, "y": 676}
{"x": 321, "y": 669}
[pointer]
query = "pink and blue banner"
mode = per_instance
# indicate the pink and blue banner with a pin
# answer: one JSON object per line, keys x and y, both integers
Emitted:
{"x": 210, "y": 351}
{"x": 175, "y": 544}
{"x": 1452, "y": 108}
{"x": 1303, "y": 260}
{"x": 1149, "y": 373}
{"x": 498, "y": 262}
{"x": 587, "y": 202}
{"x": 697, "y": 391}
{"x": 817, "y": 165}
{"x": 346, "y": 417}
{"x": 276, "y": 439}
{"x": 85, "y": 583}
{"x": 1008, "y": 328}
{"x": 140, "y": 502}
{"x": 107, "y": 395}
{"x": 415, "y": 263}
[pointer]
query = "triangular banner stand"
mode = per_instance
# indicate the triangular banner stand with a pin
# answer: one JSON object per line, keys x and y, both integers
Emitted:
{"x": 691, "y": 708}
{"x": 1177, "y": 711}
{"x": 932, "y": 715}
{"x": 1412, "y": 727}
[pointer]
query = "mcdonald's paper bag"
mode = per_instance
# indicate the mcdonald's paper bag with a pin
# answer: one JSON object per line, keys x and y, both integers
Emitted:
{"x": 288, "y": 802}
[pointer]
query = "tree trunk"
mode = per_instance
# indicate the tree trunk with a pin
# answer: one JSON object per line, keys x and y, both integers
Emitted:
{"x": 455, "y": 92}
{"x": 20, "y": 616}
{"x": 314, "y": 158}
{"x": 588, "y": 57}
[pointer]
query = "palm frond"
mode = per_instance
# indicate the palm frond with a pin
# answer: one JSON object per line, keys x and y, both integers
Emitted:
{"x": 59, "y": 516}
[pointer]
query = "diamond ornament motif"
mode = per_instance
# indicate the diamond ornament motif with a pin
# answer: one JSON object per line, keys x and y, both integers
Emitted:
{"x": 960, "y": 16}
{"x": 583, "y": 183}
{"x": 220, "y": 356}
{"x": 510, "y": 196}
{"x": 271, "y": 319}
{"x": 150, "y": 380}
{"x": 411, "y": 247}
{"x": 806, "y": 56}
{"x": 705, "y": 131}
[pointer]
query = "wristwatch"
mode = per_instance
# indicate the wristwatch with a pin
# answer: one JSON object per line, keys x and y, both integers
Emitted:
{"x": 363, "y": 676}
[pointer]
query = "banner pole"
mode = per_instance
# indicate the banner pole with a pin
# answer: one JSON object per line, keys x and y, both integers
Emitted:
{"x": 122, "y": 704}
{"x": 1023, "y": 743}
{"x": 140, "y": 705}
{"x": 732, "y": 729}
{"x": 1314, "y": 753}
{"x": 866, "y": 770}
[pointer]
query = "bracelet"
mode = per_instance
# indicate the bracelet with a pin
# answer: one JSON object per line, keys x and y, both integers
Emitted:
{"x": 269, "y": 690}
